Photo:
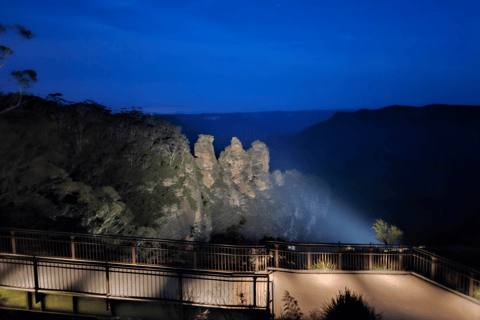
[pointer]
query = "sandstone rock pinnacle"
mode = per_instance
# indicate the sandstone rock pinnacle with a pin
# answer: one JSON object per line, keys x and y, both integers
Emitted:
{"x": 259, "y": 163}
{"x": 237, "y": 170}
{"x": 206, "y": 160}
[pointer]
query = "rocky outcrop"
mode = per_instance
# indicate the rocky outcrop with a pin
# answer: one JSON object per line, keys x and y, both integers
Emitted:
{"x": 240, "y": 173}
{"x": 237, "y": 172}
{"x": 259, "y": 164}
{"x": 279, "y": 178}
{"x": 206, "y": 160}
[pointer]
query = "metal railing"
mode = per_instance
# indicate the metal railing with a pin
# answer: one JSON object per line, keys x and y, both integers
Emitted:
{"x": 326, "y": 256}
{"x": 446, "y": 272}
{"x": 228, "y": 258}
{"x": 168, "y": 253}
{"x": 197, "y": 255}
{"x": 110, "y": 280}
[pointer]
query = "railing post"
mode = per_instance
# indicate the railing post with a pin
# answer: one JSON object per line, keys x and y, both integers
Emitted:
{"x": 107, "y": 283}
{"x": 134, "y": 258}
{"x": 309, "y": 258}
{"x": 268, "y": 295}
{"x": 38, "y": 296}
{"x": 470, "y": 286}
{"x": 254, "y": 291}
{"x": 400, "y": 259}
{"x": 257, "y": 260}
{"x": 72, "y": 246}
{"x": 180, "y": 287}
{"x": 276, "y": 255}
{"x": 370, "y": 259}
{"x": 194, "y": 252}
{"x": 14, "y": 246}
{"x": 432, "y": 276}
{"x": 339, "y": 257}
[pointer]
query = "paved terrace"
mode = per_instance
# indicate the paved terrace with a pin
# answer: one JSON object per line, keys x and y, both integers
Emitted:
{"x": 400, "y": 296}
{"x": 44, "y": 270}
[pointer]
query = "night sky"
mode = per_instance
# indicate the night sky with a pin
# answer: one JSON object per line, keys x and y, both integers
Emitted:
{"x": 210, "y": 56}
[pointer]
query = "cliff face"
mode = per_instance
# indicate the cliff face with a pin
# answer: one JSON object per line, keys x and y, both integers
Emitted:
{"x": 133, "y": 174}
{"x": 276, "y": 204}
{"x": 206, "y": 160}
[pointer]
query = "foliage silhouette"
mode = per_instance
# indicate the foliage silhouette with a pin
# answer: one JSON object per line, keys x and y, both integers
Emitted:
{"x": 291, "y": 311}
{"x": 70, "y": 162}
{"x": 24, "y": 33}
{"x": 348, "y": 306}
{"x": 23, "y": 78}
{"x": 385, "y": 234}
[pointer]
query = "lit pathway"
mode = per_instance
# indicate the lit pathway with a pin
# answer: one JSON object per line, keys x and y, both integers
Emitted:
{"x": 395, "y": 296}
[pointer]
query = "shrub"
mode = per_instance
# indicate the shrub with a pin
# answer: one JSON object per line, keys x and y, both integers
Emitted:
{"x": 379, "y": 267}
{"x": 348, "y": 306}
{"x": 291, "y": 311}
{"x": 323, "y": 265}
{"x": 476, "y": 294}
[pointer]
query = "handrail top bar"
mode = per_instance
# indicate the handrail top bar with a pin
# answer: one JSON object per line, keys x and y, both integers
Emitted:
{"x": 218, "y": 273}
{"x": 106, "y": 236}
{"x": 333, "y": 244}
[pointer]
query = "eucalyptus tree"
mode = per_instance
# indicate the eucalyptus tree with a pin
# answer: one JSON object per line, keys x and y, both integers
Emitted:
{"x": 385, "y": 234}
{"x": 21, "y": 31}
{"x": 23, "y": 78}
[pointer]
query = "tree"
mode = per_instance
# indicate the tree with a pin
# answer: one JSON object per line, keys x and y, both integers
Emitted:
{"x": 22, "y": 32}
{"x": 385, "y": 234}
{"x": 23, "y": 77}
{"x": 56, "y": 98}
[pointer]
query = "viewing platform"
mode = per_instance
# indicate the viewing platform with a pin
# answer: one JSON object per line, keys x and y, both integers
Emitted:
{"x": 110, "y": 276}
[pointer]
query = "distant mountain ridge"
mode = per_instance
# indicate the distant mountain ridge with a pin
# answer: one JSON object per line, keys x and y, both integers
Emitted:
{"x": 417, "y": 166}
{"x": 248, "y": 126}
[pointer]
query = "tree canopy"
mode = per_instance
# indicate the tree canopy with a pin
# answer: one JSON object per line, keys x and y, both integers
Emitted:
{"x": 23, "y": 78}
{"x": 385, "y": 234}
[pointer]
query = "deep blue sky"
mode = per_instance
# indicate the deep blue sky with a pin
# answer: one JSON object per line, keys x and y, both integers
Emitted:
{"x": 204, "y": 56}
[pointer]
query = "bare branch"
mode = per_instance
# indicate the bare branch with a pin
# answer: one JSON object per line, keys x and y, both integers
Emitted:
{"x": 23, "y": 79}
{"x": 4, "y": 51}
{"x": 24, "y": 32}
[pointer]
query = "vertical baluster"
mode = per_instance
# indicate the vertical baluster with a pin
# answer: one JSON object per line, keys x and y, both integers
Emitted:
{"x": 339, "y": 261}
{"x": 72, "y": 245}
{"x": 275, "y": 251}
{"x": 470, "y": 284}
{"x": 309, "y": 259}
{"x": 194, "y": 257}
{"x": 401, "y": 268}
{"x": 14, "y": 244}
{"x": 432, "y": 275}
{"x": 370, "y": 259}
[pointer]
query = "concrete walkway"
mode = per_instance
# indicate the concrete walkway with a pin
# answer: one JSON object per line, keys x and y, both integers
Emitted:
{"x": 396, "y": 297}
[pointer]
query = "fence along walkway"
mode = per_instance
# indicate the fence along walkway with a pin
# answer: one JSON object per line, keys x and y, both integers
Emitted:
{"x": 203, "y": 256}
{"x": 141, "y": 253}
{"x": 134, "y": 282}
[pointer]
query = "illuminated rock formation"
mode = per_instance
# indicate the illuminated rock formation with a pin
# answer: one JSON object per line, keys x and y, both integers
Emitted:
{"x": 206, "y": 160}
